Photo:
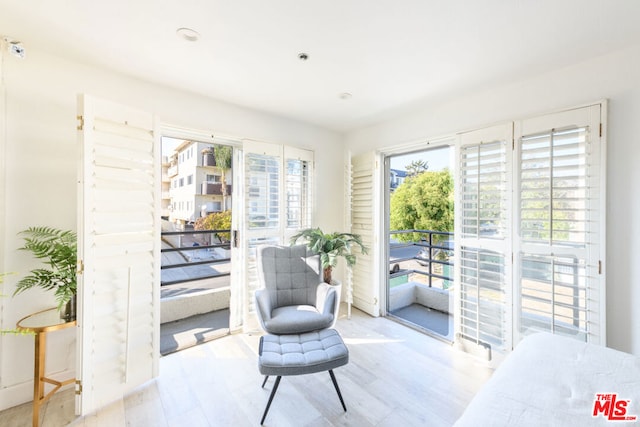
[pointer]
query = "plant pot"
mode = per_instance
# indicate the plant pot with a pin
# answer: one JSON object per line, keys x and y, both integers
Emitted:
{"x": 68, "y": 312}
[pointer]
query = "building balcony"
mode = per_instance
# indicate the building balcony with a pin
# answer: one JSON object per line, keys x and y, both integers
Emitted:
{"x": 172, "y": 171}
{"x": 214, "y": 188}
{"x": 208, "y": 159}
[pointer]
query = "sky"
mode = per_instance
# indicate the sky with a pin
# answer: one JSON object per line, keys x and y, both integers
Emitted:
{"x": 437, "y": 158}
{"x": 170, "y": 144}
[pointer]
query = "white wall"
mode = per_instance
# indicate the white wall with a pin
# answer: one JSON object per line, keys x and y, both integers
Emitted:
{"x": 40, "y": 183}
{"x": 614, "y": 76}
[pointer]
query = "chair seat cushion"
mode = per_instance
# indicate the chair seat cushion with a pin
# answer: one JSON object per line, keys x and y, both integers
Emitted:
{"x": 302, "y": 354}
{"x": 297, "y": 319}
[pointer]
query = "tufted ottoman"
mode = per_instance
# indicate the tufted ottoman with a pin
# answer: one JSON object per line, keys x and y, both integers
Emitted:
{"x": 301, "y": 354}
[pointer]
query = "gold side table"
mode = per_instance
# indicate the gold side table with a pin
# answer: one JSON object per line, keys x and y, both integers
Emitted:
{"x": 41, "y": 323}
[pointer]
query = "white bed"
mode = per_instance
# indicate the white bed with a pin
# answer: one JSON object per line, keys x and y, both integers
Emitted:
{"x": 550, "y": 380}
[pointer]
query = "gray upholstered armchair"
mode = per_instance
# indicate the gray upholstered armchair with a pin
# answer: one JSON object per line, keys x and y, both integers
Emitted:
{"x": 292, "y": 298}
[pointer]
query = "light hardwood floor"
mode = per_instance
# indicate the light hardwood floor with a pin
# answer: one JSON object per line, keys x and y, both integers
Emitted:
{"x": 395, "y": 376}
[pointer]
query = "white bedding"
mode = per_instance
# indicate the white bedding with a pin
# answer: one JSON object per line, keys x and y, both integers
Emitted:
{"x": 550, "y": 380}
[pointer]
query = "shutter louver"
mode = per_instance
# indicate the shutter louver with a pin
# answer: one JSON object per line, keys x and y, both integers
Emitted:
{"x": 483, "y": 190}
{"x": 553, "y": 184}
{"x": 554, "y": 295}
{"x": 483, "y": 297}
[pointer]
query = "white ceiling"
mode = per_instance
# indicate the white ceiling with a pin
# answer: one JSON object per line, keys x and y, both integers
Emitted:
{"x": 389, "y": 54}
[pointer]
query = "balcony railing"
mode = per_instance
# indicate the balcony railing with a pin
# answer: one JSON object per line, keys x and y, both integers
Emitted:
{"x": 194, "y": 255}
{"x": 214, "y": 188}
{"x": 432, "y": 251}
{"x": 421, "y": 279}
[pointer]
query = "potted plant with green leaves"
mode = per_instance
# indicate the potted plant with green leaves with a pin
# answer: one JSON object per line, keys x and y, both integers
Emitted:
{"x": 331, "y": 247}
{"x": 58, "y": 250}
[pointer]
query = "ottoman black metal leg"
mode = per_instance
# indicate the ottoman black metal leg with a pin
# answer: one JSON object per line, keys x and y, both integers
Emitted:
{"x": 273, "y": 393}
{"x": 335, "y": 384}
{"x": 266, "y": 377}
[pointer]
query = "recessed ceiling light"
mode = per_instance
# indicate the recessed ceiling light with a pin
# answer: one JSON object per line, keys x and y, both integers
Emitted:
{"x": 188, "y": 34}
{"x": 345, "y": 95}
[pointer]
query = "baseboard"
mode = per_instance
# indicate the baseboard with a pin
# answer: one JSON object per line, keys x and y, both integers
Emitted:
{"x": 23, "y": 393}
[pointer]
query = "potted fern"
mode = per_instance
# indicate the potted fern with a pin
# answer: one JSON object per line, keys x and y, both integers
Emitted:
{"x": 58, "y": 250}
{"x": 331, "y": 247}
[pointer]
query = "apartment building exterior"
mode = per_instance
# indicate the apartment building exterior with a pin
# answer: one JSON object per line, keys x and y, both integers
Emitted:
{"x": 196, "y": 183}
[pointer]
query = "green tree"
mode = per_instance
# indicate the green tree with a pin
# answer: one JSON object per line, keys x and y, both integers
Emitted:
{"x": 416, "y": 167}
{"x": 216, "y": 221}
{"x": 423, "y": 202}
{"x": 223, "y": 155}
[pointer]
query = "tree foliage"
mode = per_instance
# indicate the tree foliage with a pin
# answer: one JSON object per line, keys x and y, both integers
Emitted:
{"x": 423, "y": 202}
{"x": 216, "y": 221}
{"x": 223, "y": 155}
{"x": 416, "y": 167}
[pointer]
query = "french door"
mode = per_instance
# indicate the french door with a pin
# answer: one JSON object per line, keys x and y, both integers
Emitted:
{"x": 530, "y": 229}
{"x": 560, "y": 206}
{"x": 484, "y": 236}
{"x": 278, "y": 202}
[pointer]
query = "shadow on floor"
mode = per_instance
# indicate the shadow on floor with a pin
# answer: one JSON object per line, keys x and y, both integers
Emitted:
{"x": 185, "y": 333}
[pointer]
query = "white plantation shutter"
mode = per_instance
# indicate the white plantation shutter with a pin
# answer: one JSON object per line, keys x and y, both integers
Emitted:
{"x": 118, "y": 243}
{"x": 484, "y": 229}
{"x": 560, "y": 202}
{"x": 363, "y": 284}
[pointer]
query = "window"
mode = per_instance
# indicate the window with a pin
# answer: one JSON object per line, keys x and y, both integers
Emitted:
{"x": 190, "y": 180}
{"x": 213, "y": 178}
{"x": 181, "y": 182}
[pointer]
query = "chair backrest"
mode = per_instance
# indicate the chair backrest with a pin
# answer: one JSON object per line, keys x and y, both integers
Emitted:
{"x": 291, "y": 274}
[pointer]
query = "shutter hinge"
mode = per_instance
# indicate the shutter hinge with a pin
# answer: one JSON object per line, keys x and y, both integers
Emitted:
{"x": 78, "y": 387}
{"x": 599, "y": 267}
{"x": 513, "y": 143}
{"x": 80, "y": 122}
{"x": 600, "y": 130}
{"x": 79, "y": 267}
